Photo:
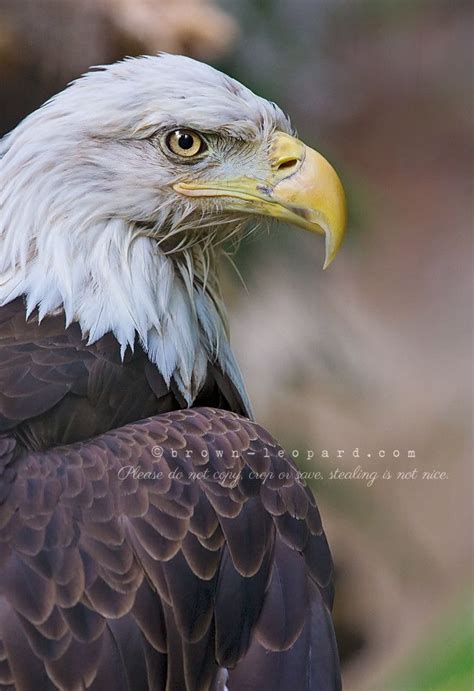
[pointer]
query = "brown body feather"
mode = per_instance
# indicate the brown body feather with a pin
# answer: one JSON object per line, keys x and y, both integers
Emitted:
{"x": 215, "y": 559}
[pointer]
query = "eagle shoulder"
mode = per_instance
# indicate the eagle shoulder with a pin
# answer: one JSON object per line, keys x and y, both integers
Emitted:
{"x": 55, "y": 388}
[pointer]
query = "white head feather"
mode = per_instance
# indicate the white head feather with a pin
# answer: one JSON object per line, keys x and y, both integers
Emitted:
{"x": 90, "y": 223}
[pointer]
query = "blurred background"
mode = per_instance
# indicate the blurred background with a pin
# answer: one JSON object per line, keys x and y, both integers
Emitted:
{"x": 375, "y": 353}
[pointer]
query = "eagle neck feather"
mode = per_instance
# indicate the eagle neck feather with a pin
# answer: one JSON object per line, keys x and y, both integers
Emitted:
{"x": 110, "y": 277}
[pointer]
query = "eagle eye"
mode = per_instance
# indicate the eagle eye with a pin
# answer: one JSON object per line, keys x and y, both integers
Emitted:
{"x": 185, "y": 143}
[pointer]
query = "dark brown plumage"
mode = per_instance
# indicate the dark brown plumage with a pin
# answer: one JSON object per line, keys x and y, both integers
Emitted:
{"x": 54, "y": 389}
{"x": 108, "y": 581}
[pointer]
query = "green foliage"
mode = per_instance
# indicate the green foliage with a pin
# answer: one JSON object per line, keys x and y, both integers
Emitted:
{"x": 446, "y": 663}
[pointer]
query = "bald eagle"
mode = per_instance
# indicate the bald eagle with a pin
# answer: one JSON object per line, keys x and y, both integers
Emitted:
{"x": 152, "y": 535}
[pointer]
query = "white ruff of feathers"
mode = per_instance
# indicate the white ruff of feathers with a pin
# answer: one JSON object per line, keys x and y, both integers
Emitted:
{"x": 72, "y": 210}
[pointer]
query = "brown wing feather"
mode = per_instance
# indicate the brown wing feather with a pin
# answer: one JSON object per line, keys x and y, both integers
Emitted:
{"x": 55, "y": 389}
{"x": 111, "y": 579}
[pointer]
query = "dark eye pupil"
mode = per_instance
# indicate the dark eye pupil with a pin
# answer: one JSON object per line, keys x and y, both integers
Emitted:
{"x": 185, "y": 141}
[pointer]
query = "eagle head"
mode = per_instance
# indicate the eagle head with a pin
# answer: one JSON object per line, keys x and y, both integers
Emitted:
{"x": 117, "y": 195}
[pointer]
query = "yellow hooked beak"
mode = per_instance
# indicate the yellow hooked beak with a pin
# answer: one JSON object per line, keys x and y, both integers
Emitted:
{"x": 301, "y": 188}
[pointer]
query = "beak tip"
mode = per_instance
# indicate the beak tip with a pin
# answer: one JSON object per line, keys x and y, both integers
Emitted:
{"x": 328, "y": 260}
{"x": 333, "y": 242}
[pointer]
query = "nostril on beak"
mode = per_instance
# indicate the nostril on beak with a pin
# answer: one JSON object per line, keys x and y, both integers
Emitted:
{"x": 287, "y": 164}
